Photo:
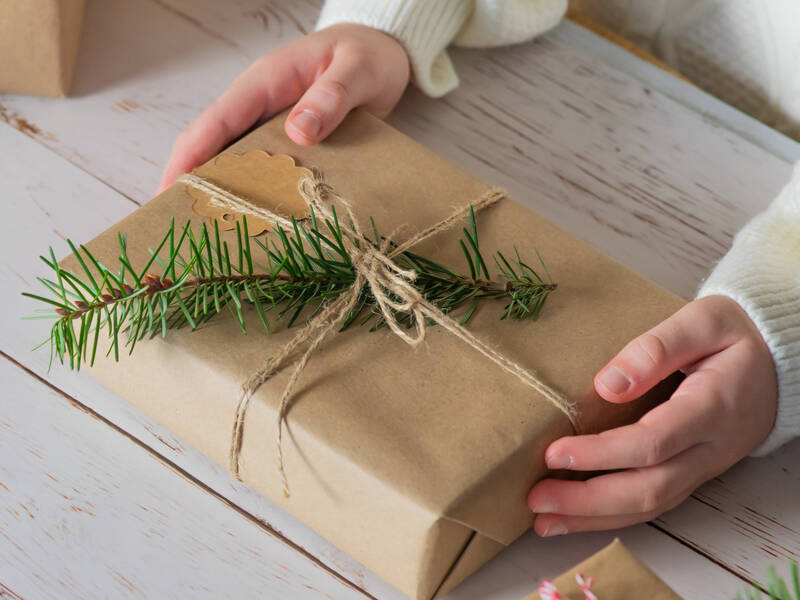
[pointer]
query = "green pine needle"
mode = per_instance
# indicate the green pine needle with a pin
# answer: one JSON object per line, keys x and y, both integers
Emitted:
{"x": 776, "y": 586}
{"x": 281, "y": 276}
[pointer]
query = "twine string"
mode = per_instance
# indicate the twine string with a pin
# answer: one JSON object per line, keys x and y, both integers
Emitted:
{"x": 391, "y": 287}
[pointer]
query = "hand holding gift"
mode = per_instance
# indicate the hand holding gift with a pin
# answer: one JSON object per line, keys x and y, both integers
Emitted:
{"x": 325, "y": 75}
{"x": 722, "y": 411}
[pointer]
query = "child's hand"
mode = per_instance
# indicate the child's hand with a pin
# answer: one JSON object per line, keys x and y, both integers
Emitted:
{"x": 326, "y": 73}
{"x": 722, "y": 411}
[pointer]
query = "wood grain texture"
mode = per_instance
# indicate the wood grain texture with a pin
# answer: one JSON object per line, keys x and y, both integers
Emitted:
{"x": 88, "y": 513}
{"x": 145, "y": 70}
{"x": 659, "y": 186}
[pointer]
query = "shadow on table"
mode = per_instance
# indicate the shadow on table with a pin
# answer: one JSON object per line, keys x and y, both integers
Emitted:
{"x": 131, "y": 40}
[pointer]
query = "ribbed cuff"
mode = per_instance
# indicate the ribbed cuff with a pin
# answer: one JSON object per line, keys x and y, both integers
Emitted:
{"x": 762, "y": 274}
{"x": 424, "y": 27}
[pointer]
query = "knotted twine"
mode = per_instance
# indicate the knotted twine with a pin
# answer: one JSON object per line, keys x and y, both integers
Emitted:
{"x": 391, "y": 287}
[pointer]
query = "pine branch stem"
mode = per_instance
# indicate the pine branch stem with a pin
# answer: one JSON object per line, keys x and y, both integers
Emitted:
{"x": 303, "y": 270}
{"x": 158, "y": 285}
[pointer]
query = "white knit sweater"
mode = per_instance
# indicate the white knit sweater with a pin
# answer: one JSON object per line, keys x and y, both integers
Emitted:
{"x": 762, "y": 269}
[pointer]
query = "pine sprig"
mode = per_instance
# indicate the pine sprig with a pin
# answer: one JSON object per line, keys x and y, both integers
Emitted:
{"x": 776, "y": 586}
{"x": 281, "y": 275}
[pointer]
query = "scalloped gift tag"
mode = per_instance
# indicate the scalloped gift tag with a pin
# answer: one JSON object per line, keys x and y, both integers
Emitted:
{"x": 268, "y": 181}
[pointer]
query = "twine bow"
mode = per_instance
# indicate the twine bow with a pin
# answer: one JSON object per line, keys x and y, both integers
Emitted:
{"x": 391, "y": 286}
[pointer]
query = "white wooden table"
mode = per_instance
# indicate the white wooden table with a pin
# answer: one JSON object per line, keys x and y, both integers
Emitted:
{"x": 97, "y": 500}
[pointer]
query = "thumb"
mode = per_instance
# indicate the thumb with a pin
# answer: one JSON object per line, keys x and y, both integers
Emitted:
{"x": 686, "y": 337}
{"x": 344, "y": 85}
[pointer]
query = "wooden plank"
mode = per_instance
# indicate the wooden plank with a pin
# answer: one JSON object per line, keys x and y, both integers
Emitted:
{"x": 747, "y": 517}
{"x": 630, "y": 171}
{"x": 655, "y": 185}
{"x": 692, "y": 97}
{"x": 87, "y": 513}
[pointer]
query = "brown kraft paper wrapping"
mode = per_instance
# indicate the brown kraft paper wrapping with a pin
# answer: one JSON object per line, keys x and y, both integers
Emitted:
{"x": 617, "y": 574}
{"x": 416, "y": 462}
{"x": 39, "y": 44}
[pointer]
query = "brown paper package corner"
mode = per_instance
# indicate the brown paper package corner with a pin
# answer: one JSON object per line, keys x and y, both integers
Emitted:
{"x": 617, "y": 574}
{"x": 415, "y": 462}
{"x": 39, "y": 42}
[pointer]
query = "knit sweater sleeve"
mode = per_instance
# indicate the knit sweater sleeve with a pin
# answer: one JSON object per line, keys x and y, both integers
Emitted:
{"x": 427, "y": 27}
{"x": 761, "y": 272}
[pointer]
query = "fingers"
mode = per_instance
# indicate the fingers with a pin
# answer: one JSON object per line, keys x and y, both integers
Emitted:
{"x": 632, "y": 491}
{"x": 345, "y": 84}
{"x": 550, "y": 525}
{"x": 687, "y": 419}
{"x": 618, "y": 499}
{"x": 692, "y": 333}
{"x": 268, "y": 86}
{"x": 718, "y": 414}
{"x": 330, "y": 72}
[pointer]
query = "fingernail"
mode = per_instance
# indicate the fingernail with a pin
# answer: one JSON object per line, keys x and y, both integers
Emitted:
{"x": 306, "y": 123}
{"x": 544, "y": 508}
{"x": 559, "y": 461}
{"x": 614, "y": 380}
{"x": 555, "y": 529}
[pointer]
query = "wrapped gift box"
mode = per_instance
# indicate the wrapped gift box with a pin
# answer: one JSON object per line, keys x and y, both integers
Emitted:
{"x": 417, "y": 462}
{"x": 617, "y": 575}
{"x": 39, "y": 44}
